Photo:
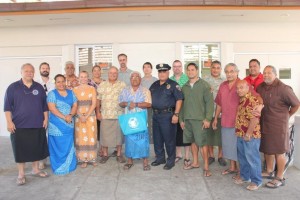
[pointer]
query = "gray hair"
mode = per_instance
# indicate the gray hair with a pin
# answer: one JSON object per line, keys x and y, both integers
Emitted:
{"x": 231, "y": 65}
{"x": 113, "y": 67}
{"x": 27, "y": 64}
{"x": 135, "y": 72}
{"x": 273, "y": 69}
{"x": 69, "y": 63}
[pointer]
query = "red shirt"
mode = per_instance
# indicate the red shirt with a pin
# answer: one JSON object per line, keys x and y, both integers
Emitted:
{"x": 255, "y": 82}
{"x": 229, "y": 100}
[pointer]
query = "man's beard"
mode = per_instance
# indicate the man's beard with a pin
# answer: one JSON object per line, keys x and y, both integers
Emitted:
{"x": 44, "y": 74}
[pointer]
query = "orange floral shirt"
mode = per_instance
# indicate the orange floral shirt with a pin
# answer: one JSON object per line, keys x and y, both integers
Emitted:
{"x": 244, "y": 114}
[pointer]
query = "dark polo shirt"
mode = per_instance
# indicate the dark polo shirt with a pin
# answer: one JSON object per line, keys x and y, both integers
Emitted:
{"x": 27, "y": 105}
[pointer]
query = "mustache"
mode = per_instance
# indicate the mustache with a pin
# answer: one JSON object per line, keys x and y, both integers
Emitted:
{"x": 44, "y": 73}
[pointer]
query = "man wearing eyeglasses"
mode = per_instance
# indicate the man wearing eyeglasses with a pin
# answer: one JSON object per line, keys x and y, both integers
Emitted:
{"x": 45, "y": 81}
{"x": 26, "y": 113}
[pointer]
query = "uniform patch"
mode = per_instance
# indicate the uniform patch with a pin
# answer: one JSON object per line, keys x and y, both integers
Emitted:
{"x": 35, "y": 92}
{"x": 178, "y": 87}
{"x": 168, "y": 86}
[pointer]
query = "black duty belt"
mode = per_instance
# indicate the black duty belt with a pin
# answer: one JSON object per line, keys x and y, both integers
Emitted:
{"x": 166, "y": 110}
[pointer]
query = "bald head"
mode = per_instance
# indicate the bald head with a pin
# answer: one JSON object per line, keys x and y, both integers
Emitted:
{"x": 242, "y": 88}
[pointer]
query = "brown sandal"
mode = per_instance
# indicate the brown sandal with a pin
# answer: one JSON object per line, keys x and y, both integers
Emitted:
{"x": 206, "y": 173}
{"x": 120, "y": 159}
{"x": 146, "y": 168}
{"x": 21, "y": 180}
{"x": 103, "y": 159}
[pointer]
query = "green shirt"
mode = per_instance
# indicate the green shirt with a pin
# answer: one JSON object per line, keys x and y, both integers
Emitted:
{"x": 182, "y": 80}
{"x": 198, "y": 101}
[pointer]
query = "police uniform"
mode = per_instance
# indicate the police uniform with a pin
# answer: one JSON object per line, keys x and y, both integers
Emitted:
{"x": 164, "y": 98}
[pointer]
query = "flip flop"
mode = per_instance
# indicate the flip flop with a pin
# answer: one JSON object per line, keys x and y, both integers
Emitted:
{"x": 127, "y": 166}
{"x": 83, "y": 165}
{"x": 40, "y": 174}
{"x": 190, "y": 167}
{"x": 187, "y": 162}
{"x": 229, "y": 171}
{"x": 146, "y": 167}
{"x": 104, "y": 159}
{"x": 206, "y": 173}
{"x": 178, "y": 159}
{"x": 253, "y": 187}
{"x": 21, "y": 181}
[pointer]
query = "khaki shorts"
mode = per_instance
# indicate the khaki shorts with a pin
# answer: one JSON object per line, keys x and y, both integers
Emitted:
{"x": 193, "y": 132}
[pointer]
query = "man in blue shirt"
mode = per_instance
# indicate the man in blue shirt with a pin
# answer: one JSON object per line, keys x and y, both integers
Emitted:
{"x": 166, "y": 103}
{"x": 26, "y": 114}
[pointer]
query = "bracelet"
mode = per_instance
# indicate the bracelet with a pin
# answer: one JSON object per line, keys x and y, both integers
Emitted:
{"x": 176, "y": 114}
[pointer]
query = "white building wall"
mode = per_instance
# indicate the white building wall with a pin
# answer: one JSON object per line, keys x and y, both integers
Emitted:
{"x": 273, "y": 43}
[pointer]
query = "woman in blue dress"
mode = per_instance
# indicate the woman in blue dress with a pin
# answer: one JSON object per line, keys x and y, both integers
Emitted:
{"x": 62, "y": 105}
{"x": 136, "y": 98}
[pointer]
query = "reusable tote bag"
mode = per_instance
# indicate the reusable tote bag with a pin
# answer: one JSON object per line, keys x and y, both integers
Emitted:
{"x": 134, "y": 122}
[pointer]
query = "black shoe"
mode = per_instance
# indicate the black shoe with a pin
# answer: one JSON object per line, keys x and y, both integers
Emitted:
{"x": 156, "y": 163}
{"x": 211, "y": 160}
{"x": 168, "y": 167}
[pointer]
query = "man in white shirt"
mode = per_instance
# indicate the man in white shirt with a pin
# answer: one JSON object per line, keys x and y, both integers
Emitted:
{"x": 44, "y": 80}
{"x": 48, "y": 85}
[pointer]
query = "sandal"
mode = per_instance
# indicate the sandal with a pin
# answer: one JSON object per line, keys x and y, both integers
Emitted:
{"x": 178, "y": 158}
{"x": 253, "y": 187}
{"x": 104, "y": 159}
{"x": 206, "y": 173}
{"x": 146, "y": 167}
{"x": 229, "y": 171}
{"x": 190, "y": 167}
{"x": 127, "y": 166}
{"x": 21, "y": 180}
{"x": 187, "y": 162}
{"x": 275, "y": 183}
{"x": 40, "y": 174}
{"x": 240, "y": 181}
{"x": 211, "y": 160}
{"x": 222, "y": 161}
{"x": 94, "y": 164}
{"x": 83, "y": 165}
{"x": 120, "y": 159}
{"x": 268, "y": 175}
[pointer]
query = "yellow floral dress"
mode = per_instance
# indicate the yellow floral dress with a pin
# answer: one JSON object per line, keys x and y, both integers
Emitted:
{"x": 85, "y": 132}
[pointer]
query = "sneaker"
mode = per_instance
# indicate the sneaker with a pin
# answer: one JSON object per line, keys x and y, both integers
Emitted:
{"x": 211, "y": 160}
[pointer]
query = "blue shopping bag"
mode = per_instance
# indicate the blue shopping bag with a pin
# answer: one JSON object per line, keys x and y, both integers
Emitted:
{"x": 132, "y": 123}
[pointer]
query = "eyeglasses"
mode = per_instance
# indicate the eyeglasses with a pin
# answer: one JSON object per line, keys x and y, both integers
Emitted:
{"x": 45, "y": 88}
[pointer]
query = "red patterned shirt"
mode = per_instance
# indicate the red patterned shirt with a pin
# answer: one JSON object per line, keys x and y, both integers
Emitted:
{"x": 244, "y": 114}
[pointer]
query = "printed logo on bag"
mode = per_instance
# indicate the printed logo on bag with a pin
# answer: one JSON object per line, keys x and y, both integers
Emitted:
{"x": 133, "y": 122}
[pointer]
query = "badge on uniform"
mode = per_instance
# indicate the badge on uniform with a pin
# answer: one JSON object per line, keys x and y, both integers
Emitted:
{"x": 178, "y": 87}
{"x": 168, "y": 86}
{"x": 35, "y": 92}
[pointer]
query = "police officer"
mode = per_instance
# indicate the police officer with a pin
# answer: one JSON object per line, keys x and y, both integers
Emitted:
{"x": 166, "y": 103}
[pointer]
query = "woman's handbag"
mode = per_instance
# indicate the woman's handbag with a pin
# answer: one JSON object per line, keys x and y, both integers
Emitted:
{"x": 132, "y": 123}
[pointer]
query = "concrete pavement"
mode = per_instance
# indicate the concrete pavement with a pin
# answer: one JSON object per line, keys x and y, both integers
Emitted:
{"x": 110, "y": 181}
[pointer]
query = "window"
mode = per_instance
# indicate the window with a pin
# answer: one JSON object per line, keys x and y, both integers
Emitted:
{"x": 202, "y": 54}
{"x": 89, "y": 55}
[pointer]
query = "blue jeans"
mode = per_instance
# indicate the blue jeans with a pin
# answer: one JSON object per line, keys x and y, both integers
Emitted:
{"x": 249, "y": 159}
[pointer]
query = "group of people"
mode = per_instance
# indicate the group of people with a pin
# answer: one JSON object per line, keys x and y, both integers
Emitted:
{"x": 241, "y": 117}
